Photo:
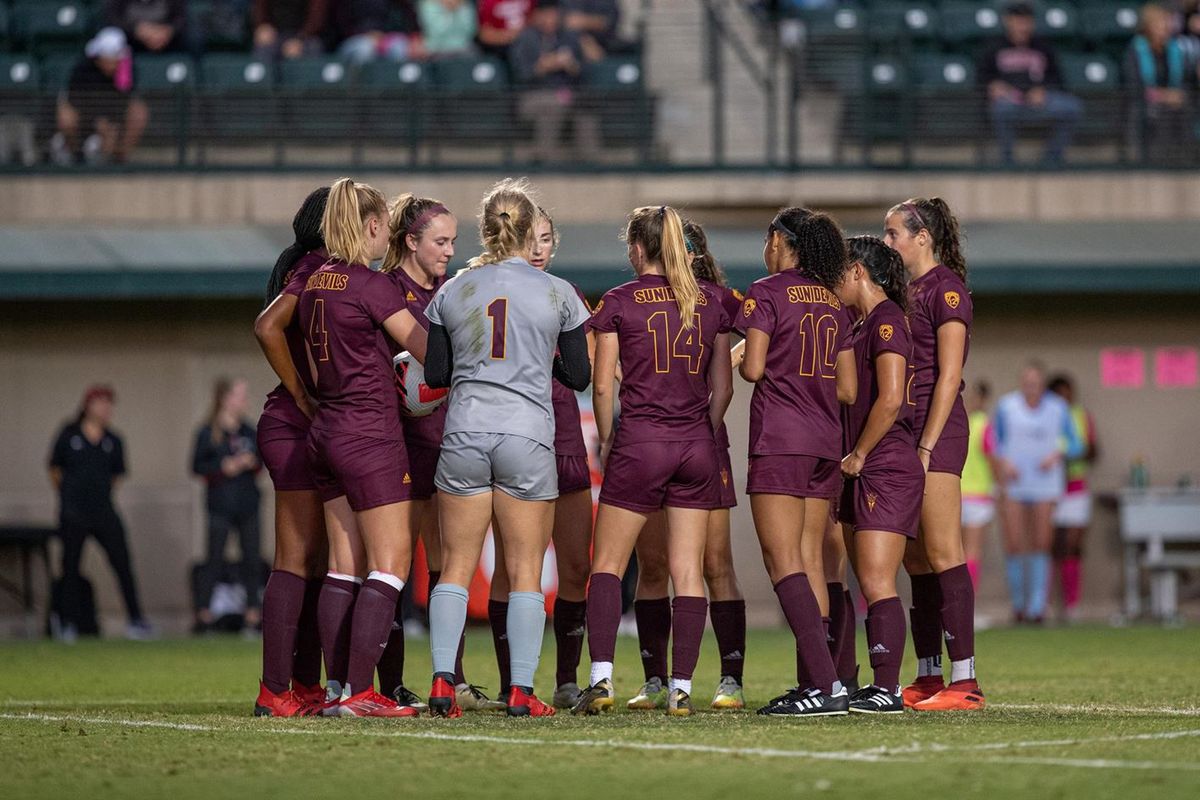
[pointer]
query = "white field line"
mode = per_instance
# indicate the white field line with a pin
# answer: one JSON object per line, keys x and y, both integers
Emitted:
{"x": 1097, "y": 709}
{"x": 870, "y": 755}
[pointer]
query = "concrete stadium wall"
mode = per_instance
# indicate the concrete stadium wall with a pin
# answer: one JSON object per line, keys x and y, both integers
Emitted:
{"x": 271, "y": 199}
{"x": 163, "y": 359}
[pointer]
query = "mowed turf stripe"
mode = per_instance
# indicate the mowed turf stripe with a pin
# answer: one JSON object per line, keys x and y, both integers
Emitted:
{"x": 1067, "y": 708}
{"x": 872, "y": 755}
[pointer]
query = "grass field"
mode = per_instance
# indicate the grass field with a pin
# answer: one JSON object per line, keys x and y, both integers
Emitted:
{"x": 1085, "y": 712}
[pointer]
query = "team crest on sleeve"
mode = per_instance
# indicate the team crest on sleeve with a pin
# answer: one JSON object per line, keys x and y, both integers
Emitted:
{"x": 885, "y": 332}
{"x": 740, "y": 297}
{"x": 749, "y": 306}
{"x": 599, "y": 306}
{"x": 952, "y": 299}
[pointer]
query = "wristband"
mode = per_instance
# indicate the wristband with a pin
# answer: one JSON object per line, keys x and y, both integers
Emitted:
{"x": 926, "y": 449}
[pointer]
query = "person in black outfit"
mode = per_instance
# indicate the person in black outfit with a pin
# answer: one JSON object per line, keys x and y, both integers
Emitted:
{"x": 1021, "y": 76}
{"x": 226, "y": 456}
{"x": 85, "y": 462}
{"x": 99, "y": 116}
{"x": 153, "y": 26}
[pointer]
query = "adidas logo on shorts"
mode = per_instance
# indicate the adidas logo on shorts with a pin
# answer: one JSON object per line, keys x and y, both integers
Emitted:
{"x": 407, "y": 478}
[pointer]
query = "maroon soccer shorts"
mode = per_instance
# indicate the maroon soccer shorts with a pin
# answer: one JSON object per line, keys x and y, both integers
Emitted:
{"x": 284, "y": 451}
{"x": 646, "y": 476}
{"x": 728, "y": 493}
{"x": 886, "y": 498}
{"x": 949, "y": 455}
{"x": 370, "y": 472}
{"x": 796, "y": 476}
{"x": 574, "y": 474}
{"x": 422, "y": 466}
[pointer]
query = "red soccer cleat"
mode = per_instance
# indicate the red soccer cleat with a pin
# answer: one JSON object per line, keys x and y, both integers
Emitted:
{"x": 521, "y": 704}
{"x": 284, "y": 704}
{"x": 958, "y": 696}
{"x": 442, "y": 702}
{"x": 372, "y": 704}
{"x": 309, "y": 695}
{"x": 922, "y": 689}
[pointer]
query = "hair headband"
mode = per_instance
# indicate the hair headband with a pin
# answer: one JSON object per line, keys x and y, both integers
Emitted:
{"x": 916, "y": 212}
{"x": 424, "y": 218}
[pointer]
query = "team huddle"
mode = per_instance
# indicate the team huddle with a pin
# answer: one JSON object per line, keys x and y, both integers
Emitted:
{"x": 413, "y": 405}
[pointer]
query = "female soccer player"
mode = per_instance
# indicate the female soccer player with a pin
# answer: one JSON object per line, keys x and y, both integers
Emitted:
{"x": 978, "y": 482}
{"x": 356, "y": 442}
{"x": 421, "y": 235}
{"x": 493, "y": 337}
{"x": 882, "y": 496}
{"x": 799, "y": 357}
{"x": 1034, "y": 436}
{"x": 1074, "y": 511}
{"x": 572, "y": 520}
{"x": 671, "y": 337}
{"x": 291, "y": 646}
{"x": 726, "y": 608}
{"x": 925, "y": 233}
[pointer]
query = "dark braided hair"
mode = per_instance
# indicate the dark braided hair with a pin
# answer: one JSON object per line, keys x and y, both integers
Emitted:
{"x": 817, "y": 242}
{"x": 934, "y": 215}
{"x": 704, "y": 266}
{"x": 883, "y": 264}
{"x": 306, "y": 225}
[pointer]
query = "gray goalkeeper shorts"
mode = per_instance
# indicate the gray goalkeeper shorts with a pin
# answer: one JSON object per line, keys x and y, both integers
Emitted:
{"x": 473, "y": 463}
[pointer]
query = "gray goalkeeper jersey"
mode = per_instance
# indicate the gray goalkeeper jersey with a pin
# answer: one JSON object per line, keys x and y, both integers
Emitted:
{"x": 504, "y": 320}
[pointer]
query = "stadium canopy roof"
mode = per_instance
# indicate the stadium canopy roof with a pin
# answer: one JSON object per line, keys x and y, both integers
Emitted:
{"x": 46, "y": 262}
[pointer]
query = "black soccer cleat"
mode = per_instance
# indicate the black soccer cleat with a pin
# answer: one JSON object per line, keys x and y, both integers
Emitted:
{"x": 813, "y": 703}
{"x": 790, "y": 696}
{"x": 874, "y": 700}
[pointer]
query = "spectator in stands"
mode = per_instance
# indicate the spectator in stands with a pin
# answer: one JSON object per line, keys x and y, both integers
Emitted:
{"x": 288, "y": 28}
{"x": 153, "y": 26}
{"x": 547, "y": 60}
{"x": 500, "y": 23}
{"x": 594, "y": 21}
{"x": 99, "y": 117}
{"x": 226, "y": 457}
{"x": 367, "y": 30}
{"x": 1024, "y": 85}
{"x": 85, "y": 463}
{"x": 448, "y": 27}
{"x": 1160, "y": 73}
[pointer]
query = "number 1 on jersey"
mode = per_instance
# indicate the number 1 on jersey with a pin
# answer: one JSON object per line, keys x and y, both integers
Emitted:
{"x": 498, "y": 311}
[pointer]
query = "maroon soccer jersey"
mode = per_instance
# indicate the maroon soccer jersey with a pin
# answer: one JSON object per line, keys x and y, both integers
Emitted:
{"x": 795, "y": 410}
{"x": 664, "y": 391}
{"x": 280, "y": 404}
{"x": 883, "y": 331}
{"x": 422, "y": 431}
{"x": 731, "y": 301}
{"x": 568, "y": 430}
{"x": 937, "y": 297}
{"x": 342, "y": 310}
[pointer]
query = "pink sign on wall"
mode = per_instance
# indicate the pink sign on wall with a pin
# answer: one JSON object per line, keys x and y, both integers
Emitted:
{"x": 1176, "y": 367}
{"x": 1122, "y": 368}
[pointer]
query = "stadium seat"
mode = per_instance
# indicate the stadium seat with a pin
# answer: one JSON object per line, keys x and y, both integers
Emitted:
{"x": 394, "y": 100}
{"x": 237, "y": 99}
{"x": 218, "y": 28}
{"x": 949, "y": 103}
{"x": 615, "y": 72}
{"x": 1096, "y": 80}
{"x": 835, "y": 45}
{"x": 963, "y": 22}
{"x": 55, "y": 70}
{"x": 1058, "y": 20}
{"x": 883, "y": 113}
{"x": 49, "y": 25}
{"x": 317, "y": 99}
{"x": 165, "y": 82}
{"x": 5, "y": 41}
{"x": 474, "y": 96}
{"x": 158, "y": 73}
{"x": 615, "y": 90}
{"x": 18, "y": 75}
{"x": 895, "y": 21}
{"x": 1104, "y": 22}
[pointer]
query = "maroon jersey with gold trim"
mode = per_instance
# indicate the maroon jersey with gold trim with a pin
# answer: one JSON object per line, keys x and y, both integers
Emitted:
{"x": 280, "y": 404}
{"x": 885, "y": 330}
{"x": 427, "y": 430}
{"x": 934, "y": 299}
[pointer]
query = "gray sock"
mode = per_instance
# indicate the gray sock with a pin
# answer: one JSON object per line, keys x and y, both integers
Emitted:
{"x": 447, "y": 618}
{"x": 526, "y": 624}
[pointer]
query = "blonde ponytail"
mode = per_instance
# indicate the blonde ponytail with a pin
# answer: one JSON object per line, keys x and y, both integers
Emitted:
{"x": 659, "y": 230}
{"x": 506, "y": 218}
{"x": 349, "y": 207}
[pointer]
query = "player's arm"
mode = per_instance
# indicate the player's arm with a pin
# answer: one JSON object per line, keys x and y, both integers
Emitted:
{"x": 754, "y": 358}
{"x": 891, "y": 369}
{"x": 438, "y": 357}
{"x": 951, "y": 344}
{"x": 269, "y": 329}
{"x": 603, "y": 382}
{"x": 846, "y": 372}
{"x": 720, "y": 383}
{"x": 408, "y": 333}
{"x": 572, "y": 365}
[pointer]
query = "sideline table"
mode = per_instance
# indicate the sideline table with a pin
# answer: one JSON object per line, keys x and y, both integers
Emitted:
{"x": 1154, "y": 519}
{"x": 29, "y": 539}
